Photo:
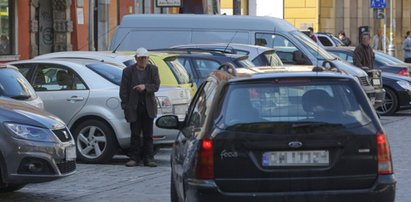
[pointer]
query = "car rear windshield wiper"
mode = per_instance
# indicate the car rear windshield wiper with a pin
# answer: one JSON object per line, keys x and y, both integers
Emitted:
{"x": 21, "y": 97}
{"x": 316, "y": 125}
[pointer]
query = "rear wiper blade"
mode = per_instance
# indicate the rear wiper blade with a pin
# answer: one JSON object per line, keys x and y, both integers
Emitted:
{"x": 316, "y": 124}
{"x": 21, "y": 97}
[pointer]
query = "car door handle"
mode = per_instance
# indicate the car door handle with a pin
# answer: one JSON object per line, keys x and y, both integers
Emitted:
{"x": 75, "y": 98}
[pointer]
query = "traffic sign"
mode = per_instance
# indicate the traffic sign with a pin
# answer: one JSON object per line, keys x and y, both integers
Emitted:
{"x": 378, "y": 4}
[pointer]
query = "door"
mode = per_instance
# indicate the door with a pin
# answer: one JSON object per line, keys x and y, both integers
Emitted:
{"x": 62, "y": 90}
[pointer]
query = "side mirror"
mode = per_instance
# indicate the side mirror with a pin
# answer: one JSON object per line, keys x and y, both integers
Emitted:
{"x": 168, "y": 122}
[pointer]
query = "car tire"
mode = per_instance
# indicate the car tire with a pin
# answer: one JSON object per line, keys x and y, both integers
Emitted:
{"x": 11, "y": 188}
{"x": 390, "y": 104}
{"x": 95, "y": 141}
{"x": 173, "y": 191}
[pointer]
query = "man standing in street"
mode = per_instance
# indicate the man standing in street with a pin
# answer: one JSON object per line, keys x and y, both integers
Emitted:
{"x": 139, "y": 83}
{"x": 379, "y": 40}
{"x": 311, "y": 34}
{"x": 406, "y": 47}
{"x": 363, "y": 53}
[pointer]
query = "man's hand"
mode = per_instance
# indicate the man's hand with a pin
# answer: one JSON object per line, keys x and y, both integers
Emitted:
{"x": 139, "y": 88}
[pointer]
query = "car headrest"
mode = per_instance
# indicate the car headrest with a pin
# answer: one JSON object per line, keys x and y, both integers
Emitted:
{"x": 316, "y": 100}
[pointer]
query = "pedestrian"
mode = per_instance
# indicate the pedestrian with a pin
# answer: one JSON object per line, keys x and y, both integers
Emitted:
{"x": 344, "y": 38}
{"x": 138, "y": 84}
{"x": 379, "y": 40}
{"x": 4, "y": 45}
{"x": 363, "y": 53}
{"x": 406, "y": 47}
{"x": 311, "y": 34}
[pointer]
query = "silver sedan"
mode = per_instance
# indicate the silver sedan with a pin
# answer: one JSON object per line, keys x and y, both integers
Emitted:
{"x": 85, "y": 95}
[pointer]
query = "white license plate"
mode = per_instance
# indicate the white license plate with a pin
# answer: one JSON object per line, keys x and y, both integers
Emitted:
{"x": 376, "y": 82}
{"x": 70, "y": 153}
{"x": 296, "y": 158}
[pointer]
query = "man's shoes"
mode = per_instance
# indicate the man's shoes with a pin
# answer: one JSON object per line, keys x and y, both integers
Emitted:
{"x": 131, "y": 163}
{"x": 150, "y": 163}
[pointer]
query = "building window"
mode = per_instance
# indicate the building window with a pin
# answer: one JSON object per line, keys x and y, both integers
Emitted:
{"x": 6, "y": 27}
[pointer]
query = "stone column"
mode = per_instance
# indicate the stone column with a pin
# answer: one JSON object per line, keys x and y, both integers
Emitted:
{"x": 62, "y": 25}
{"x": 34, "y": 28}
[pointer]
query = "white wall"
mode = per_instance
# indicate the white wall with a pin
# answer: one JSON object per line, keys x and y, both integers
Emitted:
{"x": 273, "y": 8}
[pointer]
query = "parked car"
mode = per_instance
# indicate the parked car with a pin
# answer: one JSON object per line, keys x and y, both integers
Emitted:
{"x": 267, "y": 137}
{"x": 259, "y": 55}
{"x": 171, "y": 73}
{"x": 397, "y": 94}
{"x": 381, "y": 62}
{"x": 370, "y": 80}
{"x": 15, "y": 87}
{"x": 200, "y": 63}
{"x": 35, "y": 146}
{"x": 327, "y": 39}
{"x": 85, "y": 95}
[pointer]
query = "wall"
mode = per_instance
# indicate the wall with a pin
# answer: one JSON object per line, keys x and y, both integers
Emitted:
{"x": 80, "y": 35}
{"x": 302, "y": 13}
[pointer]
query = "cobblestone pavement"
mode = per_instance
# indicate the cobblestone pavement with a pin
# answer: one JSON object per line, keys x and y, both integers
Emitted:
{"x": 115, "y": 182}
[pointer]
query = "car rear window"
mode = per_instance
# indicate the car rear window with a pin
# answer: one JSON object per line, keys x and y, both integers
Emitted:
{"x": 179, "y": 71}
{"x": 272, "y": 103}
{"x": 109, "y": 72}
{"x": 14, "y": 85}
{"x": 268, "y": 58}
{"x": 245, "y": 63}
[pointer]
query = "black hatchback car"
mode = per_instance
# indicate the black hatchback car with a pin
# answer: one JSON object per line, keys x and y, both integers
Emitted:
{"x": 290, "y": 136}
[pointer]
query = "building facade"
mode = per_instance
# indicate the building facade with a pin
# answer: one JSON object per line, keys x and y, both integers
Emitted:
{"x": 33, "y": 27}
{"x": 334, "y": 16}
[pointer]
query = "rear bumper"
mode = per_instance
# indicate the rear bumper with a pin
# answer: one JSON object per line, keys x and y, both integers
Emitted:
{"x": 207, "y": 190}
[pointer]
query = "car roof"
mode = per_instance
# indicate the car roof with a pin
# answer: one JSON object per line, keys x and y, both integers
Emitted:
{"x": 216, "y": 21}
{"x": 262, "y": 73}
{"x": 8, "y": 66}
{"x": 200, "y": 53}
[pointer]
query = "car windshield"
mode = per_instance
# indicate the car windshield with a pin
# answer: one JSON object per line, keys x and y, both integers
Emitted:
{"x": 179, "y": 71}
{"x": 390, "y": 59}
{"x": 314, "y": 48}
{"x": 110, "y": 72}
{"x": 14, "y": 85}
{"x": 282, "y": 102}
{"x": 337, "y": 41}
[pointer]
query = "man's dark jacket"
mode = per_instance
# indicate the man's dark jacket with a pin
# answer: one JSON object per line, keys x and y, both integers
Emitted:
{"x": 364, "y": 56}
{"x": 129, "y": 97}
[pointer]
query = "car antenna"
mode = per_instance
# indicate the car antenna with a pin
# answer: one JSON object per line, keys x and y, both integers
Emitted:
{"x": 122, "y": 39}
{"x": 232, "y": 38}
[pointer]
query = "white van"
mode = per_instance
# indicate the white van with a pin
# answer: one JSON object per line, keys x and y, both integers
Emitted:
{"x": 292, "y": 46}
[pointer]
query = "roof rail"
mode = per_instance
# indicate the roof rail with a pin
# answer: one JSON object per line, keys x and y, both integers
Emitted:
{"x": 193, "y": 51}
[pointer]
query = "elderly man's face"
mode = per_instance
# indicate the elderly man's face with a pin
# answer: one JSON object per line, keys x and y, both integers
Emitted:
{"x": 365, "y": 40}
{"x": 142, "y": 61}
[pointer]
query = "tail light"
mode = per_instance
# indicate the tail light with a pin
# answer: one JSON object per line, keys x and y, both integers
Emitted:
{"x": 384, "y": 155}
{"x": 404, "y": 72}
{"x": 205, "y": 161}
